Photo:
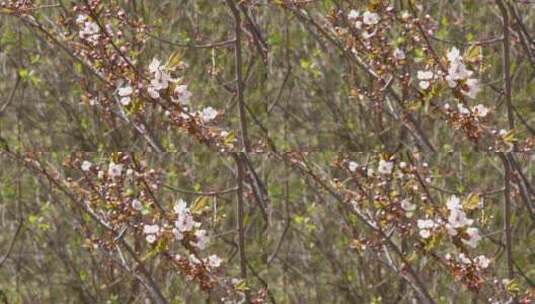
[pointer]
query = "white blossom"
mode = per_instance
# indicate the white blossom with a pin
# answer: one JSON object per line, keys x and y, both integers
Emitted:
{"x": 399, "y": 54}
{"x": 178, "y": 234}
{"x": 151, "y": 229}
{"x": 370, "y": 18}
{"x": 480, "y": 110}
{"x": 353, "y": 166}
{"x": 473, "y": 88}
{"x": 425, "y": 233}
{"x": 136, "y": 204}
{"x": 482, "y": 261}
{"x": 151, "y": 238}
{"x": 115, "y": 170}
{"x": 451, "y": 230}
{"x": 385, "y": 167}
{"x": 202, "y": 239}
{"x": 86, "y": 165}
{"x": 183, "y": 94}
{"x": 208, "y": 114}
{"x": 473, "y": 237}
{"x": 424, "y": 85}
{"x": 458, "y": 219}
{"x": 424, "y": 224}
{"x": 154, "y": 65}
{"x": 89, "y": 29}
{"x": 407, "y": 205}
{"x": 453, "y": 54}
{"x": 214, "y": 261}
{"x": 462, "y": 109}
{"x": 184, "y": 222}
{"x": 424, "y": 75}
{"x": 464, "y": 259}
{"x": 125, "y": 91}
{"x": 180, "y": 206}
{"x": 353, "y": 14}
{"x": 453, "y": 203}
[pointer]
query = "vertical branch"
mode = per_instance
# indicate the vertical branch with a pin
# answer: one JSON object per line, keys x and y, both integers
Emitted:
{"x": 240, "y": 216}
{"x": 239, "y": 76}
{"x": 506, "y": 63}
{"x": 507, "y": 166}
{"x": 507, "y": 213}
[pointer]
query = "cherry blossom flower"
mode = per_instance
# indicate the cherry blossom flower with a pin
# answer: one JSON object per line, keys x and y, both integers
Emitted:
{"x": 136, "y": 204}
{"x": 178, "y": 234}
{"x": 214, "y": 261}
{"x": 370, "y": 18}
{"x": 407, "y": 205}
{"x": 353, "y": 15}
{"x": 425, "y": 233}
{"x": 399, "y": 54}
{"x": 125, "y": 93}
{"x": 180, "y": 206}
{"x": 480, "y": 110}
{"x": 385, "y": 167}
{"x": 151, "y": 238}
{"x": 154, "y": 65}
{"x": 353, "y": 166}
{"x": 458, "y": 219}
{"x": 424, "y": 77}
{"x": 184, "y": 222}
{"x": 453, "y": 55}
{"x": 464, "y": 259}
{"x": 115, "y": 170}
{"x": 89, "y": 29}
{"x": 453, "y": 203}
{"x": 425, "y": 227}
{"x": 151, "y": 229}
{"x": 183, "y": 95}
{"x": 482, "y": 261}
{"x": 202, "y": 239}
{"x": 462, "y": 109}
{"x": 86, "y": 165}
{"x": 208, "y": 114}
{"x": 473, "y": 88}
{"x": 473, "y": 237}
{"x": 160, "y": 80}
{"x": 457, "y": 71}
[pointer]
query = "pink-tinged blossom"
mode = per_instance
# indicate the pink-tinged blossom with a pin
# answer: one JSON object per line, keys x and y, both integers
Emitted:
{"x": 202, "y": 239}
{"x": 473, "y": 237}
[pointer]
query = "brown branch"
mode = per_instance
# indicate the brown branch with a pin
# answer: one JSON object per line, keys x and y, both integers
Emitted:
{"x": 239, "y": 76}
{"x": 240, "y": 217}
{"x": 507, "y": 214}
{"x": 506, "y": 63}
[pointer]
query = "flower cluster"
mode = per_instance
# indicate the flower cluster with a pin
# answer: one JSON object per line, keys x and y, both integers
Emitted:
{"x": 161, "y": 77}
{"x": 89, "y": 30}
{"x": 457, "y": 219}
{"x": 185, "y": 223}
{"x": 459, "y": 75}
{"x": 124, "y": 93}
{"x": 457, "y": 222}
{"x": 366, "y": 22}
